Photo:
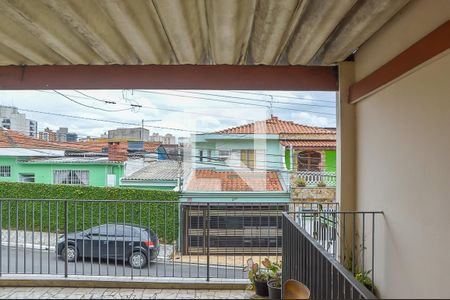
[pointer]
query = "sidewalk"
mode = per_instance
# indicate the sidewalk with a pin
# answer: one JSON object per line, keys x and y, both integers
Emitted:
{"x": 102, "y": 293}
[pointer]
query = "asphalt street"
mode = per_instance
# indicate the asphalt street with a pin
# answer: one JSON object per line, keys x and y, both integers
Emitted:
{"x": 28, "y": 261}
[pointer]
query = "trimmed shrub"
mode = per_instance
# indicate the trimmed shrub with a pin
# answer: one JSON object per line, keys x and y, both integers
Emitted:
{"x": 157, "y": 210}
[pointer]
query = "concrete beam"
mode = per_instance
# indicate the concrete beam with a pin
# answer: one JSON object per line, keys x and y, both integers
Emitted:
{"x": 345, "y": 139}
{"x": 169, "y": 77}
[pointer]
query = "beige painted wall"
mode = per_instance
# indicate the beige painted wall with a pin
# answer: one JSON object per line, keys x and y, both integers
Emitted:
{"x": 403, "y": 169}
{"x": 403, "y": 159}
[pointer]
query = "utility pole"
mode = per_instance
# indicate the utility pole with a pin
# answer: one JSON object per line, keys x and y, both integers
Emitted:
{"x": 179, "y": 167}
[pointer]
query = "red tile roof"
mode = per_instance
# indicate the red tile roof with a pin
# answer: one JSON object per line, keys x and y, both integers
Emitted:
{"x": 13, "y": 139}
{"x": 228, "y": 181}
{"x": 276, "y": 126}
{"x": 328, "y": 144}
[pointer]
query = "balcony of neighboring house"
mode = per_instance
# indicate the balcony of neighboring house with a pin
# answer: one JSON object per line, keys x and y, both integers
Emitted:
{"x": 314, "y": 168}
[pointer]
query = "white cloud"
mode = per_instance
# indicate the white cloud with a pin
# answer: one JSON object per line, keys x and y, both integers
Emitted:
{"x": 306, "y": 118}
{"x": 208, "y": 116}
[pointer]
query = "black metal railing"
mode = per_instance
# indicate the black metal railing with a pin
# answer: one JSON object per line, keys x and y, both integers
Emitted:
{"x": 138, "y": 238}
{"x": 315, "y": 253}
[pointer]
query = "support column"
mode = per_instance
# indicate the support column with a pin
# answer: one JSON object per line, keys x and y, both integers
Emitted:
{"x": 345, "y": 140}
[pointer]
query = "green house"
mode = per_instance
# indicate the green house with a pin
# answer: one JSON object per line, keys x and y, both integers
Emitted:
{"x": 28, "y": 165}
{"x": 273, "y": 144}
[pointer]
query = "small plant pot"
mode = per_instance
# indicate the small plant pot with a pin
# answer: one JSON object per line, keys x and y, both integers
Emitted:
{"x": 261, "y": 288}
{"x": 274, "y": 292}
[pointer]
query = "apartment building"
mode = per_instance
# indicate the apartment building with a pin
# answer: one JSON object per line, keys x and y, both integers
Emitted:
{"x": 11, "y": 119}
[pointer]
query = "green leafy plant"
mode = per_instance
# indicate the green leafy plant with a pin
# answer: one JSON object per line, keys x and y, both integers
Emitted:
{"x": 321, "y": 184}
{"x": 300, "y": 182}
{"x": 364, "y": 278}
{"x": 255, "y": 273}
{"x": 274, "y": 269}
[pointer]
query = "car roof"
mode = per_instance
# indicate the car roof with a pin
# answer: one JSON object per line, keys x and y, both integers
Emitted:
{"x": 122, "y": 224}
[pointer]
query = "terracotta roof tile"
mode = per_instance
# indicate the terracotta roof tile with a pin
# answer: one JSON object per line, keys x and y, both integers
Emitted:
{"x": 229, "y": 181}
{"x": 276, "y": 126}
{"x": 13, "y": 139}
{"x": 329, "y": 144}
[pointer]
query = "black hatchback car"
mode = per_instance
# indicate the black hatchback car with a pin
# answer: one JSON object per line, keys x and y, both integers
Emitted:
{"x": 137, "y": 245}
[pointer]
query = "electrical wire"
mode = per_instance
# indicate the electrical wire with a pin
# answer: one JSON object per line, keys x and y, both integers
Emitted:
{"x": 259, "y": 100}
{"x": 86, "y": 96}
{"x": 109, "y": 121}
{"x": 284, "y": 96}
{"x": 236, "y": 102}
{"x": 89, "y": 106}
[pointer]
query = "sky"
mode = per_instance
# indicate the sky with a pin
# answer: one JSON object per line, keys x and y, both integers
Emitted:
{"x": 181, "y": 113}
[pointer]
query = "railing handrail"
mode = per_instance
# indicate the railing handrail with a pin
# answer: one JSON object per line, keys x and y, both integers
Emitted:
{"x": 177, "y": 201}
{"x": 344, "y": 272}
{"x": 316, "y": 172}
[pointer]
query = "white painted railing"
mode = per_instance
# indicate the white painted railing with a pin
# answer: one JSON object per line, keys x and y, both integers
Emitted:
{"x": 313, "y": 178}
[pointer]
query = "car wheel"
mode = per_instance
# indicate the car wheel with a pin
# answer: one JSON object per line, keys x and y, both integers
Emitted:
{"x": 137, "y": 260}
{"x": 71, "y": 253}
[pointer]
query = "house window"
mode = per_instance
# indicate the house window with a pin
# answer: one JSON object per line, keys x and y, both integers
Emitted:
{"x": 205, "y": 155}
{"x": 71, "y": 177}
{"x": 5, "y": 171}
{"x": 248, "y": 158}
{"x": 26, "y": 177}
{"x": 223, "y": 154}
{"x": 309, "y": 161}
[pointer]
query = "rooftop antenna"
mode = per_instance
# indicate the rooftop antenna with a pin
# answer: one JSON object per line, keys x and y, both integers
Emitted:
{"x": 271, "y": 105}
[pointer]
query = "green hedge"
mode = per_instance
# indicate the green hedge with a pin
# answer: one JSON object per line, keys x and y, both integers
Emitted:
{"x": 161, "y": 217}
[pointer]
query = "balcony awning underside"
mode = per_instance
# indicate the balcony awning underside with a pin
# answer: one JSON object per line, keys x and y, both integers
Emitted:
{"x": 197, "y": 32}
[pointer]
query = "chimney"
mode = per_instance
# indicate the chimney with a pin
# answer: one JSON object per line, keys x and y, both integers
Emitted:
{"x": 117, "y": 151}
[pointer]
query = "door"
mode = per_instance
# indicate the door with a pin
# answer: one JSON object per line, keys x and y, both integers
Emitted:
{"x": 309, "y": 161}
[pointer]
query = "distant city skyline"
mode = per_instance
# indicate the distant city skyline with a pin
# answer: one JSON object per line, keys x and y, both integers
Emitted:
{"x": 181, "y": 112}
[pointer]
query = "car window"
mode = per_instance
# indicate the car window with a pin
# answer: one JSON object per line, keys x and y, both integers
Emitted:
{"x": 107, "y": 230}
{"x": 95, "y": 230}
{"x": 140, "y": 233}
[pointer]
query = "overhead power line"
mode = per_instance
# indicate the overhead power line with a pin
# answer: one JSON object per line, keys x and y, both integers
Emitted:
{"x": 236, "y": 102}
{"x": 109, "y": 121}
{"x": 284, "y": 96}
{"x": 89, "y": 106}
{"x": 86, "y": 96}
{"x": 259, "y": 100}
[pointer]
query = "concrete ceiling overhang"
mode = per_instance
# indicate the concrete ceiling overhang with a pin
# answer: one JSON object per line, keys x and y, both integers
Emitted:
{"x": 187, "y": 32}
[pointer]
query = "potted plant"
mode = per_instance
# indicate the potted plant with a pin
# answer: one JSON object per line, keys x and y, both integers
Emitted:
{"x": 321, "y": 184}
{"x": 364, "y": 278}
{"x": 274, "y": 283}
{"x": 300, "y": 182}
{"x": 258, "y": 278}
